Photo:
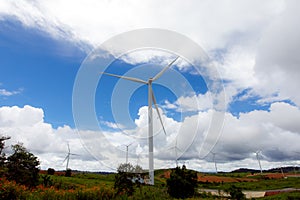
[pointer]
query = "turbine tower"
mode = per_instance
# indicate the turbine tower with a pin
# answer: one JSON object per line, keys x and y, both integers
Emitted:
{"x": 127, "y": 151}
{"x": 214, "y": 155}
{"x": 258, "y": 159}
{"x": 175, "y": 147}
{"x": 151, "y": 100}
{"x": 68, "y": 157}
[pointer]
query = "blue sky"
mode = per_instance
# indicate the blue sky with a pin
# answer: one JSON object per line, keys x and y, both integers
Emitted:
{"x": 43, "y": 46}
{"x": 41, "y": 68}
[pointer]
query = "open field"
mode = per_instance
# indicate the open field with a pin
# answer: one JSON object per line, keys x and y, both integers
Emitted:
{"x": 100, "y": 186}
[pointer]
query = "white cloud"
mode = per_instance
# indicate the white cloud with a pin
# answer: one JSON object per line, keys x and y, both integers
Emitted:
{"x": 277, "y": 61}
{"x": 4, "y": 92}
{"x": 264, "y": 130}
{"x": 26, "y": 125}
{"x": 96, "y": 21}
{"x": 193, "y": 103}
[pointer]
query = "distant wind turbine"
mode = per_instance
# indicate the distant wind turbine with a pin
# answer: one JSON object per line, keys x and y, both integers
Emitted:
{"x": 214, "y": 154}
{"x": 151, "y": 100}
{"x": 258, "y": 159}
{"x": 68, "y": 157}
{"x": 175, "y": 147}
{"x": 127, "y": 151}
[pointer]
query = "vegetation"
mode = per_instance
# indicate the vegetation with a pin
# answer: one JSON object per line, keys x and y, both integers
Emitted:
{"x": 2, "y": 155}
{"x": 182, "y": 183}
{"x": 23, "y": 166}
{"x": 68, "y": 173}
{"x": 50, "y": 171}
{"x": 235, "y": 192}
{"x": 127, "y": 178}
{"x": 20, "y": 179}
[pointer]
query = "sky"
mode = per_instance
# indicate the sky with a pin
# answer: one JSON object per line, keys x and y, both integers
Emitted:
{"x": 253, "y": 45}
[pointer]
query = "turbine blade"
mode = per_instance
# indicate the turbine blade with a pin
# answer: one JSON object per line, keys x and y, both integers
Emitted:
{"x": 66, "y": 158}
{"x": 126, "y": 78}
{"x": 68, "y": 147}
{"x": 164, "y": 69}
{"x": 129, "y": 144}
{"x": 156, "y": 107}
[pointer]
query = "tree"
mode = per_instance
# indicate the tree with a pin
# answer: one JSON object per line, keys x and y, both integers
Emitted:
{"x": 126, "y": 167}
{"x": 68, "y": 173}
{"x": 23, "y": 166}
{"x": 235, "y": 192}
{"x": 126, "y": 178}
{"x": 50, "y": 171}
{"x": 2, "y": 154}
{"x": 182, "y": 182}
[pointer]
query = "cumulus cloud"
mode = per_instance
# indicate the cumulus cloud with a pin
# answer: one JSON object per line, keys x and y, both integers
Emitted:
{"x": 193, "y": 103}
{"x": 96, "y": 21}
{"x": 241, "y": 137}
{"x": 27, "y": 125}
{"x": 277, "y": 60}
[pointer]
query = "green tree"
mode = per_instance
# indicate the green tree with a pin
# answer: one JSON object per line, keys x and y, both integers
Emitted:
{"x": 68, "y": 173}
{"x": 23, "y": 166}
{"x": 2, "y": 154}
{"x": 182, "y": 182}
{"x": 50, "y": 171}
{"x": 126, "y": 178}
{"x": 235, "y": 192}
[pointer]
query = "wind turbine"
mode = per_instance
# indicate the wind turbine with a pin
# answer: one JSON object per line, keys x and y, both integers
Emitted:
{"x": 127, "y": 151}
{"x": 214, "y": 154}
{"x": 258, "y": 159}
{"x": 175, "y": 150}
{"x": 151, "y": 100}
{"x": 68, "y": 157}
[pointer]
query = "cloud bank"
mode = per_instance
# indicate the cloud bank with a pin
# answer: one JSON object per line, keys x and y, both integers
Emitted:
{"x": 256, "y": 130}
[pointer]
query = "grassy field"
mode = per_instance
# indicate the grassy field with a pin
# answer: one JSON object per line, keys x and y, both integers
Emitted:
{"x": 99, "y": 186}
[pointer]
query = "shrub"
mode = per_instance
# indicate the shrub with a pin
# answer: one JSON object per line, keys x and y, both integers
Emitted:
{"x": 182, "y": 183}
{"x": 50, "y": 171}
{"x": 23, "y": 166}
{"x": 123, "y": 183}
{"x": 235, "y": 192}
{"x": 68, "y": 173}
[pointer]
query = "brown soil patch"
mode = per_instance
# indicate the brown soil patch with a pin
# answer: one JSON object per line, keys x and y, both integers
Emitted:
{"x": 167, "y": 173}
{"x": 216, "y": 179}
{"x": 220, "y": 179}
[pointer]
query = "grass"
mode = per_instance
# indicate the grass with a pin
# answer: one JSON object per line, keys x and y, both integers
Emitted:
{"x": 99, "y": 186}
{"x": 259, "y": 185}
{"x": 284, "y": 196}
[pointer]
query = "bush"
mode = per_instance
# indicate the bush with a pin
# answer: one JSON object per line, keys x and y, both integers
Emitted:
{"x": 50, "y": 171}
{"x": 23, "y": 166}
{"x": 10, "y": 190}
{"x": 123, "y": 183}
{"x": 182, "y": 183}
{"x": 68, "y": 173}
{"x": 235, "y": 192}
{"x": 126, "y": 178}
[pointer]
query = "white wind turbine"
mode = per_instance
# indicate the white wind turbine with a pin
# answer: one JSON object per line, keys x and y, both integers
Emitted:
{"x": 175, "y": 147}
{"x": 127, "y": 151}
{"x": 258, "y": 160}
{"x": 151, "y": 100}
{"x": 68, "y": 157}
{"x": 214, "y": 159}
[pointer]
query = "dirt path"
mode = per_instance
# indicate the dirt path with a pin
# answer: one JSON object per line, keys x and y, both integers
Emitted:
{"x": 249, "y": 194}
